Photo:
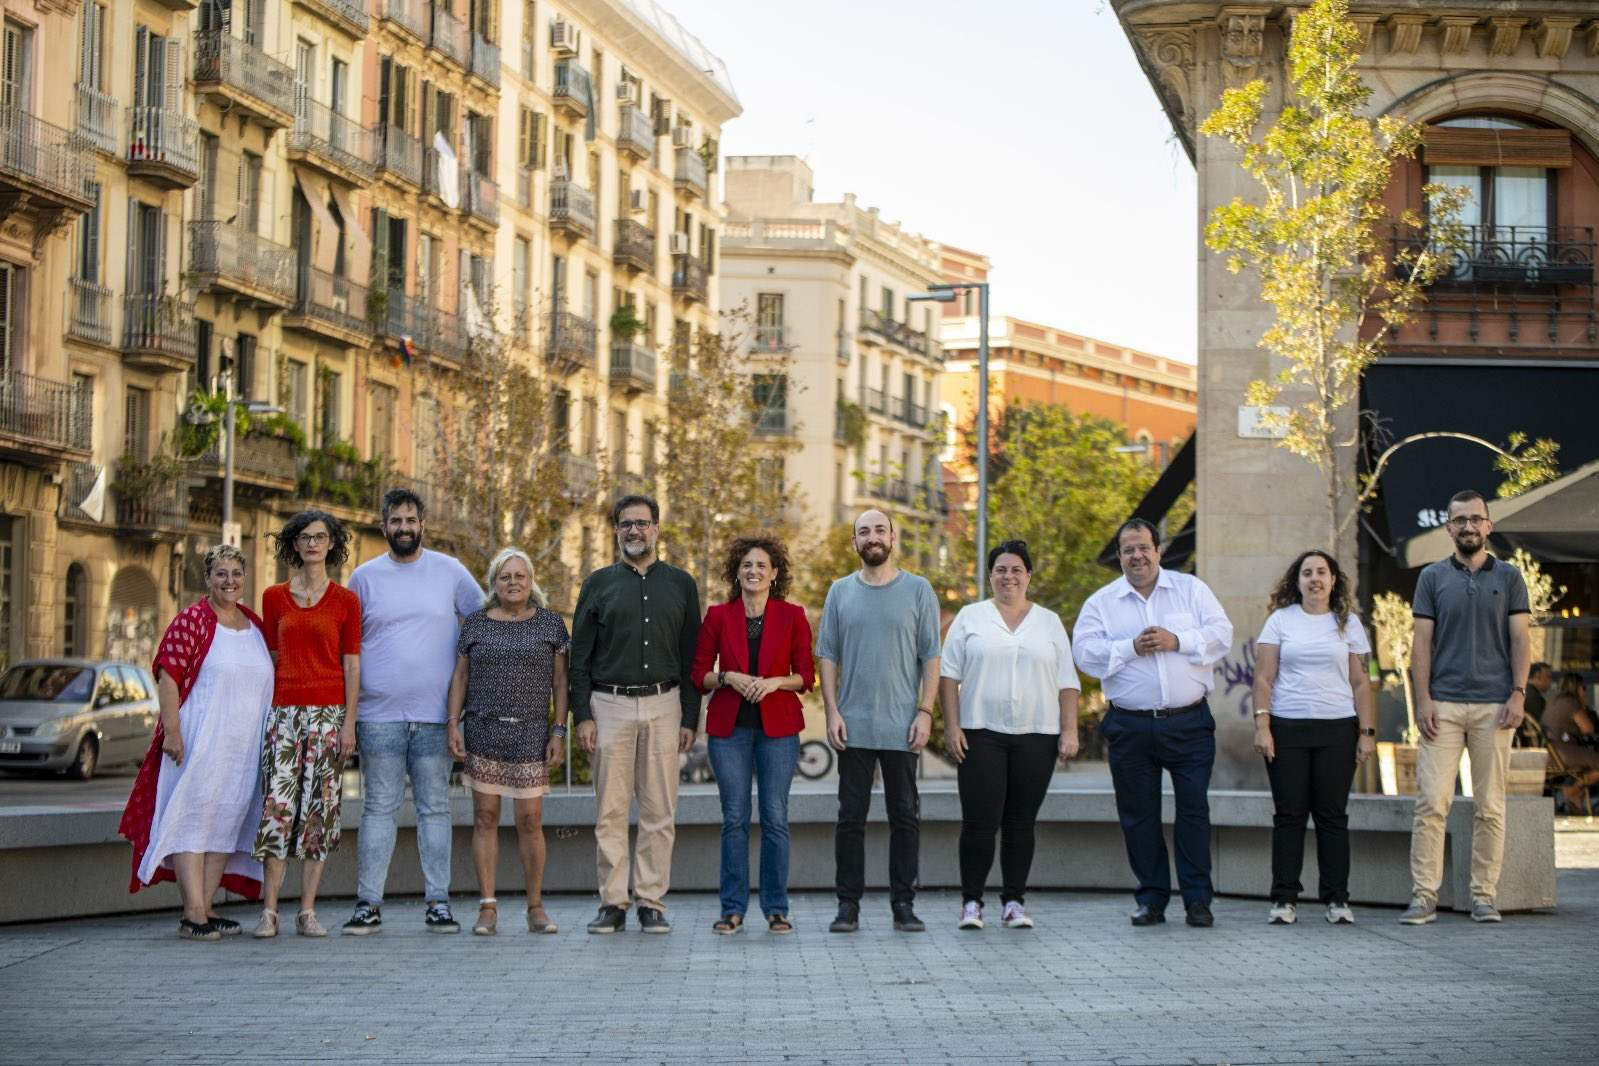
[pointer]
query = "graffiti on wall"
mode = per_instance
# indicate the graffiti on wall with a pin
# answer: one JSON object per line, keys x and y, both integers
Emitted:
{"x": 1238, "y": 675}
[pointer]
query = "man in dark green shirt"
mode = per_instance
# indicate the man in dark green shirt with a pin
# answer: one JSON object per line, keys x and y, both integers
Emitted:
{"x": 637, "y": 708}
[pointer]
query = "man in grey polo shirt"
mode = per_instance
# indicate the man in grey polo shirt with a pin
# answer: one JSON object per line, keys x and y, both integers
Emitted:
{"x": 880, "y": 632}
{"x": 1471, "y": 655}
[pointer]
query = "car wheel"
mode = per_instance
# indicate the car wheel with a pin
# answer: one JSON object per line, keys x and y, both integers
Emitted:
{"x": 87, "y": 760}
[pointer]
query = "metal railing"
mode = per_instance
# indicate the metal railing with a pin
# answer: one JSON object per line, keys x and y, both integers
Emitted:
{"x": 262, "y": 454}
{"x": 403, "y": 317}
{"x": 44, "y": 154}
{"x": 433, "y": 172}
{"x": 338, "y": 301}
{"x": 320, "y": 130}
{"x": 166, "y": 138}
{"x": 768, "y": 339}
{"x": 570, "y": 339}
{"x": 573, "y": 205}
{"x": 89, "y": 311}
{"x": 485, "y": 59}
{"x": 899, "y": 333}
{"x": 352, "y": 13}
{"x": 234, "y": 256}
{"x": 97, "y": 118}
{"x": 912, "y": 413}
{"x": 635, "y": 244}
{"x": 223, "y": 59}
{"x": 690, "y": 172}
{"x": 399, "y": 153}
{"x": 446, "y": 334}
{"x": 635, "y": 132}
{"x": 876, "y": 401}
{"x": 411, "y": 15}
{"x": 163, "y": 325}
{"x": 450, "y": 37}
{"x": 688, "y": 278}
{"x": 632, "y": 364}
{"x": 45, "y": 411}
{"x": 1510, "y": 256}
{"x": 480, "y": 195}
{"x": 165, "y": 508}
{"x": 580, "y": 473}
{"x": 574, "y": 88}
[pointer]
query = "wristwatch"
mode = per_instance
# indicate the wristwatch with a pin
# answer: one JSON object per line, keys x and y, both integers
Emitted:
{"x": 1519, "y": 688}
{"x": 1368, "y": 732}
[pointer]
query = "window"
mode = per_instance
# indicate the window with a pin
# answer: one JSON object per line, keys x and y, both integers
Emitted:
{"x": 250, "y": 193}
{"x": 338, "y": 87}
{"x": 15, "y": 83}
{"x": 558, "y": 283}
{"x": 771, "y": 402}
{"x": 1509, "y": 207}
{"x": 81, "y": 403}
{"x": 585, "y": 551}
{"x": 203, "y": 340}
{"x": 91, "y": 47}
{"x": 591, "y": 425}
{"x": 304, "y": 70}
{"x": 74, "y": 601}
{"x": 425, "y": 432}
{"x": 296, "y": 391}
{"x": 329, "y": 393}
{"x": 480, "y": 143}
{"x": 618, "y": 442}
{"x": 521, "y": 258}
{"x": 529, "y": 139}
{"x": 147, "y": 241}
{"x": 88, "y": 251}
{"x": 11, "y": 304}
{"x": 209, "y": 148}
{"x": 648, "y": 446}
{"x": 133, "y": 689}
{"x": 561, "y": 420}
{"x": 385, "y": 399}
{"x": 591, "y": 295}
{"x": 768, "y": 319}
{"x": 244, "y": 357}
{"x": 865, "y": 300}
{"x": 136, "y": 424}
{"x": 888, "y": 303}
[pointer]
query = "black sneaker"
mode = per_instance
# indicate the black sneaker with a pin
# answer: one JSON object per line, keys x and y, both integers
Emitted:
{"x": 440, "y": 920}
{"x": 905, "y": 920}
{"x": 226, "y": 926}
{"x": 848, "y": 919}
{"x": 651, "y": 920}
{"x": 1147, "y": 915}
{"x": 611, "y": 919}
{"x": 366, "y": 919}
{"x": 1200, "y": 917}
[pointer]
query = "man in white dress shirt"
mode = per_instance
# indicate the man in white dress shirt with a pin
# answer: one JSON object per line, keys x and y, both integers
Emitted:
{"x": 1152, "y": 637}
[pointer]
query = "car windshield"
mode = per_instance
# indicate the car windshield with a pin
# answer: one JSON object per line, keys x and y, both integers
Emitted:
{"x": 60, "y": 682}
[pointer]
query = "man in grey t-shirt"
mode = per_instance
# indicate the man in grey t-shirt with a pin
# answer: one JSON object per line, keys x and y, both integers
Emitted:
{"x": 878, "y": 656}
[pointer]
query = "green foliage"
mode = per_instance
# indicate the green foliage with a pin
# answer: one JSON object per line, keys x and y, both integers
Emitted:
{"x": 137, "y": 479}
{"x": 336, "y": 473}
{"x": 625, "y": 323}
{"x": 200, "y": 427}
{"x": 280, "y": 425}
{"x": 1526, "y": 464}
{"x": 852, "y": 416}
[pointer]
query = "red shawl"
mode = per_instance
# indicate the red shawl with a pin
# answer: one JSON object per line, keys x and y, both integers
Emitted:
{"x": 183, "y": 648}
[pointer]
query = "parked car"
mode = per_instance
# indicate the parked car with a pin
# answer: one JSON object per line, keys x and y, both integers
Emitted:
{"x": 73, "y": 716}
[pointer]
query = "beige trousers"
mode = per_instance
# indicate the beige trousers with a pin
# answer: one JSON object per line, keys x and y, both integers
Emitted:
{"x": 635, "y": 756}
{"x": 1473, "y": 727}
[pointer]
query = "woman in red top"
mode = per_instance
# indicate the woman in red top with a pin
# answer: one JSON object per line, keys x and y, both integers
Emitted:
{"x": 761, "y": 646}
{"x": 313, "y": 630}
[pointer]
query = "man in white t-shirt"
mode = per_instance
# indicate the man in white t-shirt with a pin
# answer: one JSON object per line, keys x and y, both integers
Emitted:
{"x": 412, "y": 603}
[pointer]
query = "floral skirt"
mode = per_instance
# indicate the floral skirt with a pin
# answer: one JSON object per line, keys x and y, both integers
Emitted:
{"x": 301, "y": 775}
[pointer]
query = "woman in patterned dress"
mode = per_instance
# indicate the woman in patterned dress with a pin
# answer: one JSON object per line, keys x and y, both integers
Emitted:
{"x": 510, "y": 662}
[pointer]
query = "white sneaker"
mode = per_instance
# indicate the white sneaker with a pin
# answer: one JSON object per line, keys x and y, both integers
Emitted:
{"x": 1340, "y": 914}
{"x": 1283, "y": 914}
{"x": 971, "y": 915}
{"x": 1014, "y": 917}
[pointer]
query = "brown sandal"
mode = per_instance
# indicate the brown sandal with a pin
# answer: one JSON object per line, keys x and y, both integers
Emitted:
{"x": 729, "y": 924}
{"x": 539, "y": 922}
{"x": 779, "y": 924}
{"x": 488, "y": 918}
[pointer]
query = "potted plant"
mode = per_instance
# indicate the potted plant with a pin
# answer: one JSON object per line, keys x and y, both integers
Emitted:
{"x": 625, "y": 324}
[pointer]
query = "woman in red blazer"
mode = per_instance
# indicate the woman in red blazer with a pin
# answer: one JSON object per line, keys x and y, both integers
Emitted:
{"x": 754, "y": 655}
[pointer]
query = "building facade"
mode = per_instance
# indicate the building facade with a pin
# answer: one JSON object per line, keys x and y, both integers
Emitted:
{"x": 828, "y": 284}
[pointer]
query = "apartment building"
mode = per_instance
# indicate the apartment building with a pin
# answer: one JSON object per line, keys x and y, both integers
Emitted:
{"x": 830, "y": 283}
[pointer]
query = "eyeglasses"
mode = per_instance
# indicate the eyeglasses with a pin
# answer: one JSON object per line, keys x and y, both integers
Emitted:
{"x": 1475, "y": 521}
{"x": 634, "y": 523}
{"x": 311, "y": 539}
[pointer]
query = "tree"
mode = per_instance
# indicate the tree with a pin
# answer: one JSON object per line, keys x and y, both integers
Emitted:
{"x": 1323, "y": 169}
{"x": 1542, "y": 595}
{"x": 1395, "y": 631}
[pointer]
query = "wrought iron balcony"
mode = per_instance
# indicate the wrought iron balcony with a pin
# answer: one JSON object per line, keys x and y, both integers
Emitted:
{"x": 688, "y": 278}
{"x": 163, "y": 146}
{"x": 258, "y": 458}
{"x": 158, "y": 332}
{"x": 1512, "y": 257}
{"x": 339, "y": 146}
{"x": 635, "y": 134}
{"x": 772, "y": 422}
{"x": 400, "y": 154}
{"x": 450, "y": 37}
{"x": 446, "y": 335}
{"x": 574, "y": 89}
{"x": 570, "y": 341}
{"x": 402, "y": 317}
{"x": 632, "y": 367}
{"x": 229, "y": 257}
{"x": 635, "y": 245}
{"x": 876, "y": 401}
{"x": 485, "y": 59}
{"x": 330, "y": 306}
{"x": 480, "y": 197}
{"x": 242, "y": 75}
{"x": 89, "y": 312}
{"x": 97, "y": 119}
{"x": 408, "y": 15}
{"x": 768, "y": 339}
{"x": 912, "y": 413}
{"x": 581, "y": 475}
{"x": 43, "y": 166}
{"x": 571, "y": 209}
{"x": 883, "y": 325}
{"x": 162, "y": 510}
{"x": 43, "y": 418}
{"x": 690, "y": 173}
{"x": 348, "y": 13}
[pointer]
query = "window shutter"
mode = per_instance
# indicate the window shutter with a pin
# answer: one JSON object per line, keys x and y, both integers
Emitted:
{"x": 427, "y": 114}
{"x": 86, "y": 47}
{"x": 1467, "y": 146}
{"x": 380, "y": 247}
{"x": 385, "y": 101}
{"x": 90, "y": 267}
{"x": 173, "y": 87}
{"x": 141, "y": 56}
{"x": 7, "y": 283}
{"x": 133, "y": 246}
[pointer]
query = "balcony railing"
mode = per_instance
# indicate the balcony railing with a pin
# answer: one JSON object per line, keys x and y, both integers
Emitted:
{"x": 690, "y": 173}
{"x": 164, "y": 509}
{"x": 433, "y": 172}
{"x": 409, "y": 15}
{"x": 883, "y": 325}
{"x": 89, "y": 311}
{"x": 45, "y": 412}
{"x": 572, "y": 208}
{"x": 331, "y": 300}
{"x": 485, "y": 59}
{"x": 231, "y": 256}
{"x": 450, "y": 37}
{"x": 97, "y": 119}
{"x": 41, "y": 155}
{"x": 898, "y": 490}
{"x": 1512, "y": 257}
{"x": 446, "y": 335}
{"x": 400, "y": 154}
{"x": 161, "y": 327}
{"x": 481, "y": 196}
{"x": 403, "y": 317}
{"x": 635, "y": 245}
{"x": 632, "y": 366}
{"x": 225, "y": 60}
{"x": 635, "y": 134}
{"x": 570, "y": 341}
{"x": 768, "y": 339}
{"x": 352, "y": 14}
{"x": 912, "y": 413}
{"x": 324, "y": 134}
{"x": 256, "y": 456}
{"x": 574, "y": 89}
{"x": 580, "y": 473}
{"x": 876, "y": 401}
{"x": 688, "y": 278}
{"x": 771, "y": 422}
{"x": 164, "y": 141}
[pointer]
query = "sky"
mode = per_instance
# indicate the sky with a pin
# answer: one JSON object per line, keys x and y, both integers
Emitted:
{"x": 1022, "y": 129}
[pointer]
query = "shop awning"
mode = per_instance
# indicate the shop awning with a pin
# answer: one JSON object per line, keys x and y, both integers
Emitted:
{"x": 1157, "y": 503}
{"x": 1557, "y": 522}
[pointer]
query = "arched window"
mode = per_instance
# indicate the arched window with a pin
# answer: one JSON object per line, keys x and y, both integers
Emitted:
{"x": 74, "y": 612}
{"x": 1509, "y": 206}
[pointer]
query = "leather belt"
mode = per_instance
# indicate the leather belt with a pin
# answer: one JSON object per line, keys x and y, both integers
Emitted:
{"x": 1159, "y": 712}
{"x": 634, "y": 691}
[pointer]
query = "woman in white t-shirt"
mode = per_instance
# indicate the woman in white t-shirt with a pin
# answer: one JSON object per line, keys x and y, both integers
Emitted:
{"x": 1007, "y": 666}
{"x": 1314, "y": 721}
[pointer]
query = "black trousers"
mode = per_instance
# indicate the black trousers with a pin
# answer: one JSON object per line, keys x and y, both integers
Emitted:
{"x": 855, "y": 766}
{"x": 1310, "y": 776}
{"x": 1003, "y": 781}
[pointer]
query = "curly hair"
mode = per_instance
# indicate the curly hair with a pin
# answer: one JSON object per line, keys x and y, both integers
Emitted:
{"x": 775, "y": 551}
{"x": 220, "y": 552}
{"x": 338, "y": 539}
{"x": 1287, "y": 593}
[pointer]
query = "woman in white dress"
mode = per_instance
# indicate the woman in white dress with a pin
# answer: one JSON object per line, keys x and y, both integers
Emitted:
{"x": 199, "y": 809}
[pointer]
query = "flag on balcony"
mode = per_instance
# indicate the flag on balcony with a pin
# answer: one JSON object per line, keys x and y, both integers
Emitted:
{"x": 449, "y": 175}
{"x": 93, "y": 503}
{"x": 406, "y": 352}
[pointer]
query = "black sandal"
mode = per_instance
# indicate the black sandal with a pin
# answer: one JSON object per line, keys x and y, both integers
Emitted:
{"x": 779, "y": 924}
{"x": 730, "y": 924}
{"x": 225, "y": 926}
{"x": 198, "y": 930}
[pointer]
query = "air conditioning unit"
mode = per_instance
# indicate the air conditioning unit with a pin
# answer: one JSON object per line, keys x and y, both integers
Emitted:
{"x": 563, "y": 37}
{"x": 683, "y": 137}
{"x": 624, "y": 92}
{"x": 635, "y": 200}
{"x": 680, "y": 244}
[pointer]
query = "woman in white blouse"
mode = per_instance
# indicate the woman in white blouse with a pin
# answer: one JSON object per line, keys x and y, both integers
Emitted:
{"x": 1314, "y": 721}
{"x": 1007, "y": 666}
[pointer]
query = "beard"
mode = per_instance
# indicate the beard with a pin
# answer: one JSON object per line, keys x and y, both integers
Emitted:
{"x": 635, "y": 548}
{"x": 404, "y": 543}
{"x": 1469, "y": 541}
{"x": 873, "y": 554}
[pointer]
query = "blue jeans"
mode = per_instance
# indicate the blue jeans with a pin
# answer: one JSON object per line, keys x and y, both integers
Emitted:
{"x": 390, "y": 750}
{"x": 771, "y": 762}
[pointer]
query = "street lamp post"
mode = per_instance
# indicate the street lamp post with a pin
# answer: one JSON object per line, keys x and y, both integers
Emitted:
{"x": 230, "y": 426}
{"x": 944, "y": 294}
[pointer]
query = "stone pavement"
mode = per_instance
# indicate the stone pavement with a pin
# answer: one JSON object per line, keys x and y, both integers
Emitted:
{"x": 1082, "y": 987}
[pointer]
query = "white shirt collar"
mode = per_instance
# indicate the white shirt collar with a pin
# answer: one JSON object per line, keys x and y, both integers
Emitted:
{"x": 1166, "y": 580}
